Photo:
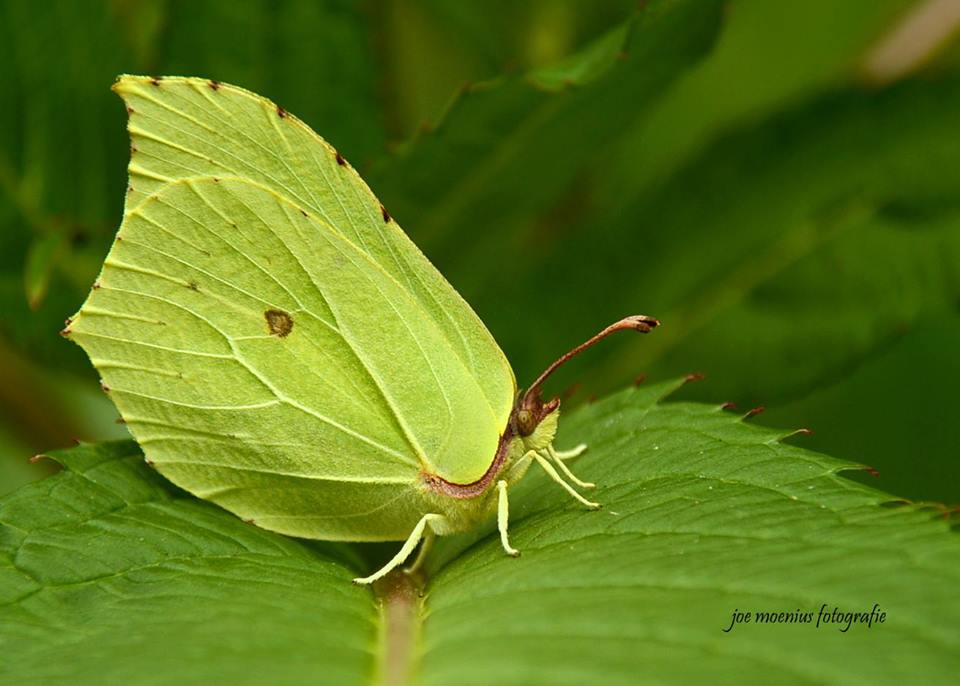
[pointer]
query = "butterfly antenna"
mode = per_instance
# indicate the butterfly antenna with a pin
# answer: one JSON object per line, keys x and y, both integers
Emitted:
{"x": 637, "y": 322}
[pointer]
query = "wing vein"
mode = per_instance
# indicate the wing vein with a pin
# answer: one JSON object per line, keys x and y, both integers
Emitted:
{"x": 353, "y": 398}
{"x": 274, "y": 472}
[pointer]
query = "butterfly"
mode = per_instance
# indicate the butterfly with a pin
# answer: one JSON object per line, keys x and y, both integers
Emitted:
{"x": 278, "y": 346}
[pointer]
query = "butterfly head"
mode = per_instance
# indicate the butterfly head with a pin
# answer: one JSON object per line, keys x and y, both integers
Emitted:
{"x": 530, "y": 410}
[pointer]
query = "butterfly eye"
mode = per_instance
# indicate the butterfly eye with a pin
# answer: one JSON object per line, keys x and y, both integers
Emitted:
{"x": 526, "y": 422}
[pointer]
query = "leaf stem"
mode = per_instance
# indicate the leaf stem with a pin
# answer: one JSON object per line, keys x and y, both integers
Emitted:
{"x": 399, "y": 594}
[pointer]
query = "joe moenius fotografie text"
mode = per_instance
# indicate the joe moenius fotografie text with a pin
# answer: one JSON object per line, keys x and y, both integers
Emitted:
{"x": 836, "y": 616}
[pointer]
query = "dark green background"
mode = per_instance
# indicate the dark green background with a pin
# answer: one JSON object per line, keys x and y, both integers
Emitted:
{"x": 790, "y": 212}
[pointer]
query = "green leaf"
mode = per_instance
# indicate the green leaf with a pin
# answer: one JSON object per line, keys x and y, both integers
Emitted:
{"x": 771, "y": 56}
{"x": 507, "y": 149}
{"x": 107, "y": 572}
{"x": 475, "y": 41}
{"x": 702, "y": 514}
{"x": 887, "y": 411}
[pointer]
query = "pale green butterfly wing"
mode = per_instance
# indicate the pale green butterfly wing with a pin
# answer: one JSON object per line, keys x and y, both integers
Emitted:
{"x": 185, "y": 127}
{"x": 244, "y": 339}
{"x": 273, "y": 363}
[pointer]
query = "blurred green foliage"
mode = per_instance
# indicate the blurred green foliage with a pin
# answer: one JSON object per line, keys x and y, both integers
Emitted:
{"x": 789, "y": 210}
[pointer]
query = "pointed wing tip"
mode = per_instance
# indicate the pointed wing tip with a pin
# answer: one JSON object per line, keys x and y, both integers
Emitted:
{"x": 125, "y": 83}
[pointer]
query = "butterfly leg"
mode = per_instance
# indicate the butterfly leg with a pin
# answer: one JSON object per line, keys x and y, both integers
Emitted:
{"x": 503, "y": 513}
{"x": 552, "y": 473}
{"x": 572, "y": 453}
{"x": 428, "y": 537}
{"x": 557, "y": 460}
{"x": 428, "y": 520}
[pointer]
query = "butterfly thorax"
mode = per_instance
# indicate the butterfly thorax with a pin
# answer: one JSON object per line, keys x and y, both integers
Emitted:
{"x": 543, "y": 434}
{"x": 466, "y": 504}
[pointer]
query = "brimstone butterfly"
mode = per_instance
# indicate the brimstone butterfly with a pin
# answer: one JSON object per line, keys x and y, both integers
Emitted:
{"x": 277, "y": 345}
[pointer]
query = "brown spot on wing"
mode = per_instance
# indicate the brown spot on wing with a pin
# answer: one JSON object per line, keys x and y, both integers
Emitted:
{"x": 279, "y": 322}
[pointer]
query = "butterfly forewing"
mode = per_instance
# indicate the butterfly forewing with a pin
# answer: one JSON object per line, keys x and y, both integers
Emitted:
{"x": 183, "y": 127}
